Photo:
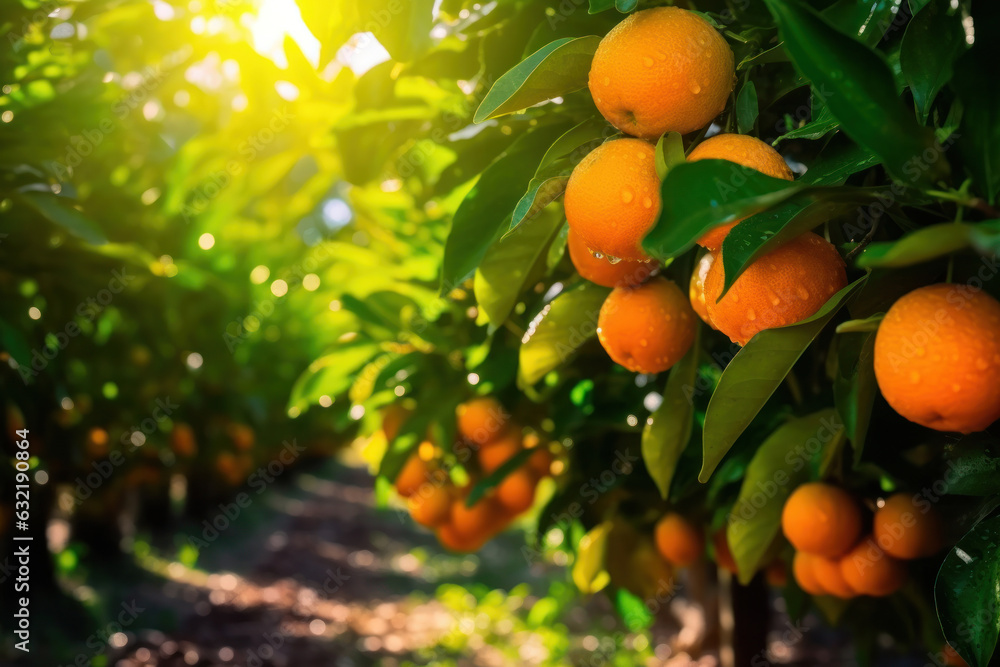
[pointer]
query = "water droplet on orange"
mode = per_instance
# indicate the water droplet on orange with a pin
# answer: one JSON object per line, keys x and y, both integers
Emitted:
{"x": 627, "y": 195}
{"x": 647, "y": 202}
{"x": 695, "y": 87}
{"x": 982, "y": 364}
{"x": 751, "y": 315}
{"x": 802, "y": 292}
{"x": 607, "y": 81}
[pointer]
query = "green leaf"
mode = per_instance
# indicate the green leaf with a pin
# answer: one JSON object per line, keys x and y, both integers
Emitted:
{"x": 332, "y": 374}
{"x": 668, "y": 430}
{"x": 979, "y": 132}
{"x": 15, "y": 344}
{"x": 563, "y": 326}
{"x": 858, "y": 88}
{"x": 764, "y": 232}
{"x": 866, "y": 325}
{"x": 57, "y": 209}
{"x": 589, "y": 574}
{"x": 633, "y": 611}
{"x": 556, "y": 69}
{"x": 755, "y": 373}
{"x": 596, "y": 6}
{"x": 916, "y": 247}
{"x": 494, "y": 478}
{"x": 403, "y": 28}
{"x": 866, "y": 21}
{"x": 746, "y": 107}
{"x": 625, "y": 6}
{"x": 966, "y": 595}
{"x": 783, "y": 462}
{"x": 837, "y": 162}
{"x": 817, "y": 128}
{"x": 483, "y": 214}
{"x": 699, "y": 195}
{"x": 933, "y": 41}
{"x": 669, "y": 153}
{"x": 511, "y": 263}
{"x": 854, "y": 385}
{"x": 972, "y": 465}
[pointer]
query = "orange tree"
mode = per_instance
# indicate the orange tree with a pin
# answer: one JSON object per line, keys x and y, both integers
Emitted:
{"x": 774, "y": 338}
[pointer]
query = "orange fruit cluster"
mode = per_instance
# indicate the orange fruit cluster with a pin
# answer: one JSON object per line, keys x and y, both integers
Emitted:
{"x": 825, "y": 524}
{"x": 485, "y": 430}
{"x": 937, "y": 358}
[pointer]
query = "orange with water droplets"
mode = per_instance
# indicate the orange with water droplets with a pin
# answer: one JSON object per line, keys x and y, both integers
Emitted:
{"x": 600, "y": 271}
{"x": 821, "y": 519}
{"x": 745, "y": 151}
{"x": 661, "y": 70}
{"x": 613, "y": 198}
{"x": 868, "y": 570}
{"x": 937, "y": 358}
{"x": 647, "y": 329}
{"x": 696, "y": 288}
{"x": 782, "y": 287}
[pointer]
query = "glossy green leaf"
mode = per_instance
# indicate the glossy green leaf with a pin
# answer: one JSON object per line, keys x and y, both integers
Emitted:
{"x": 919, "y": 246}
{"x": 966, "y": 595}
{"x": 755, "y": 373}
{"x": 511, "y": 263}
{"x": 625, "y": 6}
{"x": 596, "y": 6}
{"x": 972, "y": 465}
{"x": 764, "y": 232}
{"x": 669, "y": 153}
{"x": 837, "y": 162}
{"x": 861, "y": 326}
{"x": 633, "y": 611}
{"x": 865, "y": 20}
{"x": 746, "y": 107}
{"x": 556, "y": 69}
{"x": 589, "y": 574}
{"x": 554, "y": 336}
{"x": 58, "y": 210}
{"x": 854, "y": 386}
{"x": 331, "y": 374}
{"x": 979, "y": 131}
{"x": 403, "y": 28}
{"x": 668, "y": 430}
{"x": 484, "y": 213}
{"x": 699, "y": 195}
{"x": 817, "y": 128}
{"x": 933, "y": 41}
{"x": 859, "y": 91}
{"x": 783, "y": 462}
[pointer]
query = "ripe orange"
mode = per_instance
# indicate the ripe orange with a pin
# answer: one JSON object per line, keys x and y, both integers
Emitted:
{"x": 907, "y": 531}
{"x": 452, "y": 540}
{"x": 415, "y": 473}
{"x": 723, "y": 555}
{"x": 805, "y": 574}
{"x": 97, "y": 443}
{"x": 517, "y": 491}
{"x": 481, "y": 520}
{"x": 661, "y": 70}
{"x": 182, "y": 440}
{"x": 392, "y": 420}
{"x": 821, "y": 519}
{"x": 647, "y": 329}
{"x": 541, "y": 461}
{"x": 937, "y": 358}
{"x": 785, "y": 286}
{"x": 678, "y": 540}
{"x": 600, "y": 271}
{"x": 430, "y": 505}
{"x": 952, "y": 658}
{"x": 613, "y": 198}
{"x": 495, "y": 454}
{"x": 696, "y": 288}
{"x": 745, "y": 151}
{"x": 870, "y": 571}
{"x": 482, "y": 420}
{"x": 829, "y": 576}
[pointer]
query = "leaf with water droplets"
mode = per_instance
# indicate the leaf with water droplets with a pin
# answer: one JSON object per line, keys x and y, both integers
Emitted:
{"x": 746, "y": 107}
{"x": 967, "y": 596}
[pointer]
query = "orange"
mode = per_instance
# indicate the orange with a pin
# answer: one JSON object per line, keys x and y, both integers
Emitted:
{"x": 805, "y": 574}
{"x": 745, "y": 151}
{"x": 241, "y": 435}
{"x": 678, "y": 540}
{"x": 830, "y": 577}
{"x": 541, "y": 461}
{"x": 870, "y": 571}
{"x": 952, "y": 658}
{"x": 182, "y": 440}
{"x": 452, "y": 540}
{"x": 482, "y": 519}
{"x": 696, "y": 288}
{"x": 600, "y": 271}
{"x": 392, "y": 420}
{"x": 431, "y": 504}
{"x": 821, "y": 519}
{"x": 482, "y": 420}
{"x": 662, "y": 70}
{"x": 613, "y": 198}
{"x": 937, "y": 358}
{"x": 415, "y": 473}
{"x": 723, "y": 556}
{"x": 97, "y": 443}
{"x": 498, "y": 452}
{"x": 517, "y": 491}
{"x": 905, "y": 530}
{"x": 647, "y": 329}
{"x": 783, "y": 287}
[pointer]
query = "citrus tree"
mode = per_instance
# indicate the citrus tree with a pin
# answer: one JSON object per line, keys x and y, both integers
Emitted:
{"x": 722, "y": 270}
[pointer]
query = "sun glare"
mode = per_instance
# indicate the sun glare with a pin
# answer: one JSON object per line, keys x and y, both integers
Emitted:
{"x": 275, "y": 20}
